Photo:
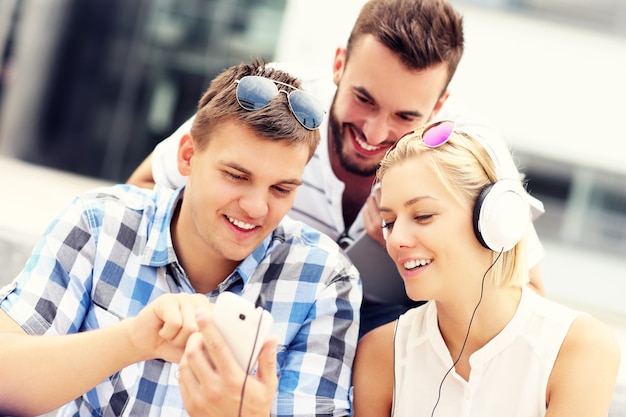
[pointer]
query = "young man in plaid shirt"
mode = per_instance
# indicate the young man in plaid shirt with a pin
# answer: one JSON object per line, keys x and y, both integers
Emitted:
{"x": 124, "y": 277}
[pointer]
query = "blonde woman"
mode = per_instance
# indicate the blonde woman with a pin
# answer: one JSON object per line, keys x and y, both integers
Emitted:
{"x": 484, "y": 345}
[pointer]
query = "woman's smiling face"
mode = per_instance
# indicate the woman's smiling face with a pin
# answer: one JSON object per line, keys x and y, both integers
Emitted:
{"x": 430, "y": 233}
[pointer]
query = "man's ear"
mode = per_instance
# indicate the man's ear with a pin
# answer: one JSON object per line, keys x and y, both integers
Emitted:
{"x": 186, "y": 151}
{"x": 339, "y": 64}
{"x": 439, "y": 104}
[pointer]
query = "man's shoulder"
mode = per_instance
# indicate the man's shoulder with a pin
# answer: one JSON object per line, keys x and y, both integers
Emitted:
{"x": 299, "y": 233}
{"x": 125, "y": 195}
{"x": 118, "y": 202}
{"x": 137, "y": 218}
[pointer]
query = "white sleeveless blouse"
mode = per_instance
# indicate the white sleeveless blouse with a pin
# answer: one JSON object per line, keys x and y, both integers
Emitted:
{"x": 508, "y": 376}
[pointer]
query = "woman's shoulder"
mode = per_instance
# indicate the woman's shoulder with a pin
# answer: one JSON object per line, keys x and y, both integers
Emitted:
{"x": 592, "y": 337}
{"x": 379, "y": 341}
{"x": 588, "y": 362}
{"x": 375, "y": 352}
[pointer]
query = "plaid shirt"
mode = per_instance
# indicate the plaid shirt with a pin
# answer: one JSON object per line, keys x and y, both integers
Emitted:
{"x": 110, "y": 253}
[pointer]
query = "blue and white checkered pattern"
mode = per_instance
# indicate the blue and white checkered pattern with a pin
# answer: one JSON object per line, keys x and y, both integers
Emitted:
{"x": 110, "y": 253}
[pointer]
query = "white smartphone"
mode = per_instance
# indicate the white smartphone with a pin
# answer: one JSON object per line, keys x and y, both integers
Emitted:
{"x": 244, "y": 327}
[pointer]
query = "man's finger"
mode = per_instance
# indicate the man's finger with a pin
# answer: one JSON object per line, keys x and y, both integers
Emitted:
{"x": 267, "y": 363}
{"x": 216, "y": 346}
{"x": 195, "y": 366}
{"x": 168, "y": 312}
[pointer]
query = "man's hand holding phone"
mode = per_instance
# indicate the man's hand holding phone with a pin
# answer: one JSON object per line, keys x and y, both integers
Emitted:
{"x": 212, "y": 374}
{"x": 244, "y": 327}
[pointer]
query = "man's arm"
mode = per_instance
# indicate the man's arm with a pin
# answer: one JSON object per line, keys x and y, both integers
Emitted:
{"x": 161, "y": 167}
{"x": 536, "y": 281}
{"x": 61, "y": 368}
{"x": 55, "y": 368}
{"x": 535, "y": 254}
{"x": 316, "y": 369}
{"x": 142, "y": 175}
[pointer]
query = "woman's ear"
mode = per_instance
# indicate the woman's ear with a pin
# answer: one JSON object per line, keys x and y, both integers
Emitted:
{"x": 185, "y": 154}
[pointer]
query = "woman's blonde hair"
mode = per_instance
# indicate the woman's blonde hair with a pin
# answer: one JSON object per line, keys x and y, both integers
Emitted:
{"x": 465, "y": 168}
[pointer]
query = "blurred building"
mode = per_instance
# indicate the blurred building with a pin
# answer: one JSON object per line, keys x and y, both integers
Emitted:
{"x": 91, "y": 86}
{"x": 559, "y": 70}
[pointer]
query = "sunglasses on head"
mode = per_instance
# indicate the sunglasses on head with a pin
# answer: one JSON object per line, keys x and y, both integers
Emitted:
{"x": 255, "y": 92}
{"x": 438, "y": 133}
{"x": 433, "y": 135}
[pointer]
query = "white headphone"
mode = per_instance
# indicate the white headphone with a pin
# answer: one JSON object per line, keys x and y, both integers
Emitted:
{"x": 502, "y": 210}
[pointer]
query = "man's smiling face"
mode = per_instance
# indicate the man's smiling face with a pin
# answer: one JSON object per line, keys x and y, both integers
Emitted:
{"x": 377, "y": 101}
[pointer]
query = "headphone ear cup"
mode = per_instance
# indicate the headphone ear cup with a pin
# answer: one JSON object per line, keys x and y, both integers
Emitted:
{"x": 501, "y": 215}
{"x": 476, "y": 215}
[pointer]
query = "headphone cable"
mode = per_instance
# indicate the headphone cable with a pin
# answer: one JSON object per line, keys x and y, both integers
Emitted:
{"x": 245, "y": 379}
{"x": 482, "y": 290}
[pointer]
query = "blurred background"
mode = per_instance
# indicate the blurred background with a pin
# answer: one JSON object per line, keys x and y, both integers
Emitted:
{"x": 91, "y": 86}
{"x": 88, "y": 88}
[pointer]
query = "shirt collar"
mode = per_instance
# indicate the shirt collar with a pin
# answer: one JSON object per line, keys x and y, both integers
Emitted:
{"x": 160, "y": 250}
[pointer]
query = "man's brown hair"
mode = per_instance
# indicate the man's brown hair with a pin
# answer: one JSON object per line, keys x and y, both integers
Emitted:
{"x": 274, "y": 122}
{"x": 421, "y": 33}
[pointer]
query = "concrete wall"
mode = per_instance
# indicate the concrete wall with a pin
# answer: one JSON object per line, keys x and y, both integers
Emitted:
{"x": 32, "y": 197}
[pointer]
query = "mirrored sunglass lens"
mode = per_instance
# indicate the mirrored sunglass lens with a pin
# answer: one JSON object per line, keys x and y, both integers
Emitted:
{"x": 437, "y": 134}
{"x": 306, "y": 108}
{"x": 254, "y": 93}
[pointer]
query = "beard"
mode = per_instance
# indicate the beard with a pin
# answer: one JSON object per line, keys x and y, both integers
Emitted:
{"x": 348, "y": 162}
